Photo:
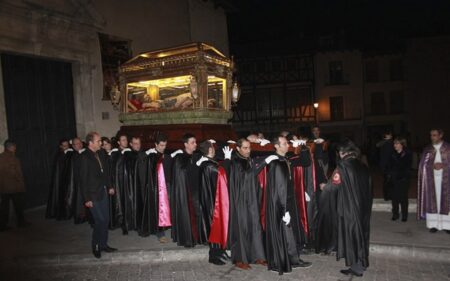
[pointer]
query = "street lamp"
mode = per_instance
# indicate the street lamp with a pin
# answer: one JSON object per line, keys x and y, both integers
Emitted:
{"x": 316, "y": 112}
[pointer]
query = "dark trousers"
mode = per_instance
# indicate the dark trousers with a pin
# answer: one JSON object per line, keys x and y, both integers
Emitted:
{"x": 161, "y": 234}
{"x": 18, "y": 201}
{"x": 400, "y": 197}
{"x": 387, "y": 187}
{"x": 100, "y": 215}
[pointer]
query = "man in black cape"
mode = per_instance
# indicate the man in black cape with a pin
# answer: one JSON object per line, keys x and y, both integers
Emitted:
{"x": 74, "y": 195}
{"x": 155, "y": 181}
{"x": 245, "y": 234}
{"x": 182, "y": 194}
{"x": 208, "y": 183}
{"x": 56, "y": 203}
{"x": 130, "y": 189}
{"x": 351, "y": 207}
{"x": 116, "y": 161}
{"x": 283, "y": 226}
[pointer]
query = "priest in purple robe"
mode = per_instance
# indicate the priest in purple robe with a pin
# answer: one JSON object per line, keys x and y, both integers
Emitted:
{"x": 434, "y": 184}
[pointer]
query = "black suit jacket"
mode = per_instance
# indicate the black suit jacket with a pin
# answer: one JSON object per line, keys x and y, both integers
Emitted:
{"x": 92, "y": 178}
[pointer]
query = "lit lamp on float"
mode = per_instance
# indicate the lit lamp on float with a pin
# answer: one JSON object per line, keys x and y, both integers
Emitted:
{"x": 115, "y": 97}
{"x": 235, "y": 93}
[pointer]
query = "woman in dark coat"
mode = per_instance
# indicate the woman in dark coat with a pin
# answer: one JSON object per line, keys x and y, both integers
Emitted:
{"x": 399, "y": 176}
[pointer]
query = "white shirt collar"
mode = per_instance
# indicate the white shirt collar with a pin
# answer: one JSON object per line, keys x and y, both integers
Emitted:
{"x": 113, "y": 150}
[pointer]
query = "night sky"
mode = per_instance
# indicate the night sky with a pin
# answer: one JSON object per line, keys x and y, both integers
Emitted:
{"x": 276, "y": 26}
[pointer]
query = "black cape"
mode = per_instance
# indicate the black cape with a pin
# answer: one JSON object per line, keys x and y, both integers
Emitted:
{"x": 326, "y": 221}
{"x": 353, "y": 202}
{"x": 148, "y": 178}
{"x": 115, "y": 206}
{"x": 184, "y": 185}
{"x": 283, "y": 242}
{"x": 245, "y": 231}
{"x": 57, "y": 205}
{"x": 208, "y": 183}
{"x": 74, "y": 195}
{"x": 130, "y": 195}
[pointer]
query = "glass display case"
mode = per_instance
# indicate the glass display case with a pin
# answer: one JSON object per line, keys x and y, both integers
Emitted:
{"x": 185, "y": 84}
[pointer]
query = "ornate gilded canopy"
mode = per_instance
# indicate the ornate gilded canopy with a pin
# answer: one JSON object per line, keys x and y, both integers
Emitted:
{"x": 186, "y": 84}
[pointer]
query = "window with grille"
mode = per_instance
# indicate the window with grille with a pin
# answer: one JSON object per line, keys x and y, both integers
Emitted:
{"x": 336, "y": 72}
{"x": 337, "y": 108}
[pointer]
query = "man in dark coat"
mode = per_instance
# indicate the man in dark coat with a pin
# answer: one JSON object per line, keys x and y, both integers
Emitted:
{"x": 283, "y": 226}
{"x": 208, "y": 183}
{"x": 183, "y": 185}
{"x": 12, "y": 186}
{"x": 131, "y": 197}
{"x": 352, "y": 184}
{"x": 155, "y": 183}
{"x": 95, "y": 182}
{"x": 74, "y": 196}
{"x": 116, "y": 161}
{"x": 56, "y": 204}
{"x": 386, "y": 147}
{"x": 245, "y": 233}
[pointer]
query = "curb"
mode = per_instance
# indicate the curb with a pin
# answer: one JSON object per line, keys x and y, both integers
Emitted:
{"x": 145, "y": 256}
{"x": 201, "y": 253}
{"x": 411, "y": 251}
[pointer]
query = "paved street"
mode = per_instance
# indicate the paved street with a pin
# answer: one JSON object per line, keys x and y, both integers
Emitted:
{"x": 58, "y": 250}
{"x": 324, "y": 268}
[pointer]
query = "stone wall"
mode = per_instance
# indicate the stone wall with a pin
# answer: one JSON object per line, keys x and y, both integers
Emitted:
{"x": 68, "y": 30}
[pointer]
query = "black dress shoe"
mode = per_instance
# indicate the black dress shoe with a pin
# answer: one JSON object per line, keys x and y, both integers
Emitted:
{"x": 404, "y": 219}
{"x": 350, "y": 272}
{"x": 395, "y": 217}
{"x": 216, "y": 261}
{"x": 109, "y": 249}
{"x": 302, "y": 264}
{"x": 448, "y": 231}
{"x": 433, "y": 230}
{"x": 96, "y": 251}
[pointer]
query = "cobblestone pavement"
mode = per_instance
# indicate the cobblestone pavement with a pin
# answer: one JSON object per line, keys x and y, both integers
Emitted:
{"x": 324, "y": 268}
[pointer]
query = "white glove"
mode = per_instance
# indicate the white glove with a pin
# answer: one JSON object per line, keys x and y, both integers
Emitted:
{"x": 295, "y": 143}
{"x": 212, "y": 141}
{"x": 231, "y": 141}
{"x": 227, "y": 152}
{"x": 201, "y": 160}
{"x": 271, "y": 158}
{"x": 263, "y": 142}
{"x": 307, "y": 198}
{"x": 319, "y": 140}
{"x": 176, "y": 152}
{"x": 151, "y": 150}
{"x": 286, "y": 218}
{"x": 301, "y": 142}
